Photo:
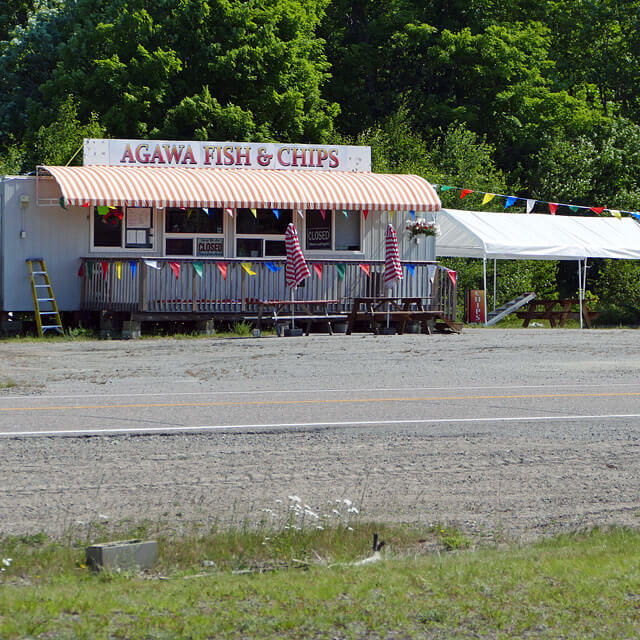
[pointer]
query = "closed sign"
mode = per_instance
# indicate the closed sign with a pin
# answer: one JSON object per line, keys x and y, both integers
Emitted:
{"x": 210, "y": 247}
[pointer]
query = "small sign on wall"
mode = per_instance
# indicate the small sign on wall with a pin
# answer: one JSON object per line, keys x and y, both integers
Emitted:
{"x": 210, "y": 247}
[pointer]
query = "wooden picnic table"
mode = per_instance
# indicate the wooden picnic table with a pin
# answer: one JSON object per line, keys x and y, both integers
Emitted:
{"x": 555, "y": 311}
{"x": 401, "y": 309}
{"x": 306, "y": 312}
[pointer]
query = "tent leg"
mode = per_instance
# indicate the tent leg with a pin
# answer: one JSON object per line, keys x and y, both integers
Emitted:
{"x": 494, "y": 284}
{"x": 580, "y": 289}
{"x": 484, "y": 284}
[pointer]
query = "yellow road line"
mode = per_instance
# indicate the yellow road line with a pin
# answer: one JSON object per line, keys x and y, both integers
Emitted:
{"x": 320, "y": 401}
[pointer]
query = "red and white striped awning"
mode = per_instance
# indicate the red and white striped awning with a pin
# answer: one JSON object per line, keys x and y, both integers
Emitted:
{"x": 290, "y": 189}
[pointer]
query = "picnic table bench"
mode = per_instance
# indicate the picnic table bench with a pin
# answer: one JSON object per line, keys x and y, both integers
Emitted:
{"x": 555, "y": 311}
{"x": 399, "y": 309}
{"x": 306, "y": 312}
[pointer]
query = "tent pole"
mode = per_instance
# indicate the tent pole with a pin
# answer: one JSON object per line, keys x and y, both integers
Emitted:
{"x": 580, "y": 289}
{"x": 494, "y": 284}
{"x": 484, "y": 283}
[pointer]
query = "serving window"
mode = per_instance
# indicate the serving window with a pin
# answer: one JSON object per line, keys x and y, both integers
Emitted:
{"x": 194, "y": 231}
{"x": 333, "y": 230}
{"x": 261, "y": 235}
{"x": 122, "y": 227}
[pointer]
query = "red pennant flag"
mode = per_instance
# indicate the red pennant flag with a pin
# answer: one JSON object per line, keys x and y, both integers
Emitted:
{"x": 323, "y": 213}
{"x": 81, "y": 271}
{"x": 367, "y": 269}
{"x": 223, "y": 269}
{"x": 105, "y": 266}
{"x": 175, "y": 267}
{"x": 553, "y": 207}
{"x": 465, "y": 192}
{"x": 597, "y": 210}
{"x": 453, "y": 276}
{"x": 318, "y": 269}
{"x": 365, "y": 213}
{"x": 85, "y": 204}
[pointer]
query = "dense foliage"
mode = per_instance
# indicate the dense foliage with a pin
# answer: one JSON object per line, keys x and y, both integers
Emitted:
{"x": 535, "y": 98}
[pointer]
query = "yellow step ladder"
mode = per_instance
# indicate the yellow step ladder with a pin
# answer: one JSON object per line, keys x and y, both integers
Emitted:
{"x": 47, "y": 317}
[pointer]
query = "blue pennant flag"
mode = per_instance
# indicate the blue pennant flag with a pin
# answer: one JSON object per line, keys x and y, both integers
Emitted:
{"x": 134, "y": 265}
{"x": 413, "y": 214}
{"x": 272, "y": 267}
{"x": 635, "y": 216}
{"x": 411, "y": 268}
{"x": 510, "y": 201}
{"x": 276, "y": 213}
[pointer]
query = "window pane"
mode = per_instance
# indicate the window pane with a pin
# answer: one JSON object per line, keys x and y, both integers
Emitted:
{"x": 195, "y": 220}
{"x": 263, "y": 223}
{"x": 249, "y": 248}
{"x": 318, "y": 229}
{"x": 107, "y": 229}
{"x": 275, "y": 248}
{"x": 179, "y": 246}
{"x": 348, "y": 231}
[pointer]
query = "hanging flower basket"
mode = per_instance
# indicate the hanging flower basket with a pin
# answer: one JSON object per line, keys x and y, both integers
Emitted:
{"x": 420, "y": 227}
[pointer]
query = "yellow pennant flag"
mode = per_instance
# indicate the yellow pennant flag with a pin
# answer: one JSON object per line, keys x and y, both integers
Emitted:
{"x": 488, "y": 197}
{"x": 390, "y": 215}
{"x": 616, "y": 213}
{"x": 247, "y": 267}
{"x": 255, "y": 213}
{"x": 119, "y": 270}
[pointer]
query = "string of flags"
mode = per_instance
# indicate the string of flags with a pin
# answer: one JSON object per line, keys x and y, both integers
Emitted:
{"x": 248, "y": 267}
{"x": 530, "y": 203}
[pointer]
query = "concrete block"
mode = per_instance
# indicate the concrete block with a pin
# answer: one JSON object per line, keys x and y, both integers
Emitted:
{"x": 123, "y": 554}
{"x": 131, "y": 329}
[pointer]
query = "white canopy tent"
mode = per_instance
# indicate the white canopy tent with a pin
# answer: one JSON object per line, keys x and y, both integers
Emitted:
{"x": 480, "y": 234}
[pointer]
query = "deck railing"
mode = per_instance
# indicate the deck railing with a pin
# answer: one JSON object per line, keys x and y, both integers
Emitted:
{"x": 202, "y": 286}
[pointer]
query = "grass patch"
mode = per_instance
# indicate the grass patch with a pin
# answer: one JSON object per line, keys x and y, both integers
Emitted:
{"x": 301, "y": 584}
{"x": 8, "y": 383}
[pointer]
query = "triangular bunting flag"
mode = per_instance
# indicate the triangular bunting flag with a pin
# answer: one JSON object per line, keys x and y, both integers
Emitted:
{"x": 276, "y": 213}
{"x": 616, "y": 214}
{"x": 318, "y": 269}
{"x": 81, "y": 270}
{"x": 85, "y": 204}
{"x": 574, "y": 208}
{"x": 152, "y": 263}
{"x": 247, "y": 266}
{"x": 105, "y": 267}
{"x": 453, "y": 276}
{"x": 445, "y": 187}
{"x": 323, "y": 213}
{"x": 346, "y": 213}
{"x": 488, "y": 197}
{"x": 412, "y": 213}
{"x": 119, "y": 270}
{"x": 223, "y": 269}
{"x": 197, "y": 267}
{"x": 272, "y": 267}
{"x": 391, "y": 215}
{"x": 510, "y": 201}
{"x": 365, "y": 213}
{"x": 301, "y": 213}
{"x": 102, "y": 211}
{"x": 175, "y": 267}
{"x": 530, "y": 204}
{"x": 411, "y": 268}
{"x": 366, "y": 268}
{"x": 597, "y": 210}
{"x": 341, "y": 269}
{"x": 90, "y": 269}
{"x": 431, "y": 271}
{"x": 134, "y": 266}
{"x": 254, "y": 213}
{"x": 229, "y": 211}
{"x": 61, "y": 201}
{"x": 465, "y": 192}
{"x": 635, "y": 216}
{"x": 553, "y": 206}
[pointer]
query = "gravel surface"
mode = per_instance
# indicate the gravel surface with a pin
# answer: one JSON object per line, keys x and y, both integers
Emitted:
{"x": 507, "y": 481}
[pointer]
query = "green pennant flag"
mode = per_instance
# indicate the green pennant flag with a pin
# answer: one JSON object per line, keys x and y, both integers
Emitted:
{"x": 90, "y": 269}
{"x": 574, "y": 209}
{"x": 341, "y": 269}
{"x": 102, "y": 211}
{"x": 62, "y": 203}
{"x": 197, "y": 267}
{"x": 444, "y": 187}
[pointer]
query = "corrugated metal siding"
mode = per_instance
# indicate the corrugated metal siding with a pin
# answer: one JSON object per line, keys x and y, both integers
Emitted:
{"x": 375, "y": 227}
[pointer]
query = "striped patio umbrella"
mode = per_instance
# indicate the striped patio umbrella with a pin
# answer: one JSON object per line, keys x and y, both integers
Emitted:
{"x": 296, "y": 270}
{"x": 392, "y": 268}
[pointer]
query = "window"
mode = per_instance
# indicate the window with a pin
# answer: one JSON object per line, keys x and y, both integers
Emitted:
{"x": 261, "y": 235}
{"x": 139, "y": 222}
{"x": 333, "y": 230}
{"x": 118, "y": 227}
{"x": 107, "y": 227}
{"x": 194, "y": 231}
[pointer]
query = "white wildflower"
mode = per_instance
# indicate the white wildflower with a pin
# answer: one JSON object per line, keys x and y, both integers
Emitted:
{"x": 349, "y": 528}
{"x": 295, "y": 499}
{"x": 352, "y": 510}
{"x": 278, "y": 501}
{"x": 319, "y": 526}
{"x": 7, "y": 561}
{"x": 336, "y": 512}
{"x": 347, "y": 502}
